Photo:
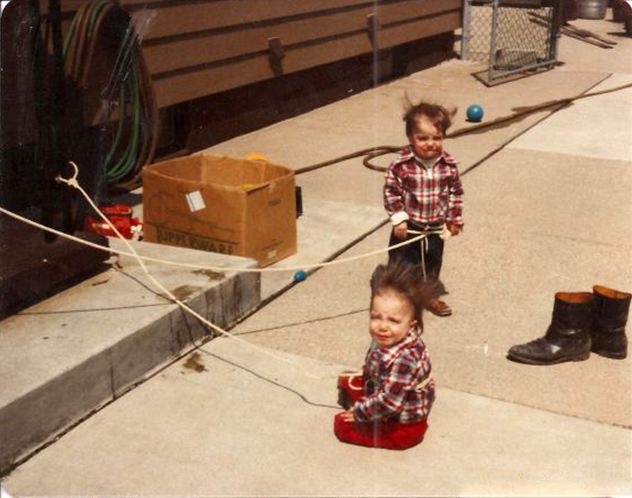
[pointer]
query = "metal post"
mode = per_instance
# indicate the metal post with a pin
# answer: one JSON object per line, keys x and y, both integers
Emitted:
{"x": 556, "y": 26}
{"x": 492, "y": 47}
{"x": 465, "y": 32}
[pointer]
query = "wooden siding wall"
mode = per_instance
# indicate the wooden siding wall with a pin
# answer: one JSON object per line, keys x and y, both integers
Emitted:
{"x": 198, "y": 48}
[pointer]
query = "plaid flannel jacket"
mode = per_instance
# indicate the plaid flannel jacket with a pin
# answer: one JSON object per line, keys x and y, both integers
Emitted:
{"x": 424, "y": 195}
{"x": 393, "y": 375}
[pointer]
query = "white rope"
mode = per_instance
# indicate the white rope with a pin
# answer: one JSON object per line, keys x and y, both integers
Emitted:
{"x": 72, "y": 182}
{"x": 442, "y": 231}
{"x": 194, "y": 265}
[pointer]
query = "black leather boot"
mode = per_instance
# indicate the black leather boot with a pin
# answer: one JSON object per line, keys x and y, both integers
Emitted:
{"x": 568, "y": 335}
{"x": 610, "y": 314}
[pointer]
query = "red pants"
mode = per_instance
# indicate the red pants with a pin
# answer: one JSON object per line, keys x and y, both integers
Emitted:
{"x": 379, "y": 433}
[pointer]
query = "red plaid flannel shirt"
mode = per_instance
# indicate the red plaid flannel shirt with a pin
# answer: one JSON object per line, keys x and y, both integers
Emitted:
{"x": 392, "y": 376}
{"x": 424, "y": 195}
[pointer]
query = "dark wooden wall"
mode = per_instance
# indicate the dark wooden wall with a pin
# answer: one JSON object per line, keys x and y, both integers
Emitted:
{"x": 198, "y": 48}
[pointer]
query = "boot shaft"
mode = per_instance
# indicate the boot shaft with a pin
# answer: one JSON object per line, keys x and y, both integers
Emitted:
{"x": 611, "y": 308}
{"x": 610, "y": 315}
{"x": 572, "y": 312}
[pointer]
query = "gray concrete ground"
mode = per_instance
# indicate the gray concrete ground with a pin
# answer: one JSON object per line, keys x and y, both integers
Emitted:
{"x": 230, "y": 430}
{"x": 549, "y": 212}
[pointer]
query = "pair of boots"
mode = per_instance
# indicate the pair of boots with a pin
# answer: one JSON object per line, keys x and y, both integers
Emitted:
{"x": 582, "y": 322}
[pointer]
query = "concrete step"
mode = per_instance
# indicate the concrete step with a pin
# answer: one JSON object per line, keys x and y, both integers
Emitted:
{"x": 69, "y": 355}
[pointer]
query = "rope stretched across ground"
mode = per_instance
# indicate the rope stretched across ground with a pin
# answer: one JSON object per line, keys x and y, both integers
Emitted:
{"x": 369, "y": 153}
{"x": 72, "y": 182}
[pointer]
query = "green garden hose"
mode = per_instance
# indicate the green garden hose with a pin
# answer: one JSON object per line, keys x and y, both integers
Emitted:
{"x": 128, "y": 88}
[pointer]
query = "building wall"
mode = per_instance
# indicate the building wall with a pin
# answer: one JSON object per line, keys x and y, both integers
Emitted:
{"x": 198, "y": 48}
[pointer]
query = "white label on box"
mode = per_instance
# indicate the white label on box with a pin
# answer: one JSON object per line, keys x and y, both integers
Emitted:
{"x": 195, "y": 201}
{"x": 272, "y": 253}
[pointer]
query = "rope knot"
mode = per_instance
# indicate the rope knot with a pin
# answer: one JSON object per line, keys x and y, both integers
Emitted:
{"x": 72, "y": 181}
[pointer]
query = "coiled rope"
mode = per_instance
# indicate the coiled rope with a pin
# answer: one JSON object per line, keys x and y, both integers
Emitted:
{"x": 380, "y": 150}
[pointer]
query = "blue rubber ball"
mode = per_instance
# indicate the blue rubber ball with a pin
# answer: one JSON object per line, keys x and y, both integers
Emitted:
{"x": 474, "y": 113}
{"x": 299, "y": 276}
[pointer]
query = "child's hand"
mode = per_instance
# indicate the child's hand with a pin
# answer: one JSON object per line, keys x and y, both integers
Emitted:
{"x": 401, "y": 230}
{"x": 349, "y": 415}
{"x": 454, "y": 229}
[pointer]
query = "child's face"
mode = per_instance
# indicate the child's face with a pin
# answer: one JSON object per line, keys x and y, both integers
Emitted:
{"x": 391, "y": 318}
{"x": 426, "y": 139}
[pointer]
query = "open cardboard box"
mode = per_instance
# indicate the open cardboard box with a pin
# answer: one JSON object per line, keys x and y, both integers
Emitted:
{"x": 222, "y": 204}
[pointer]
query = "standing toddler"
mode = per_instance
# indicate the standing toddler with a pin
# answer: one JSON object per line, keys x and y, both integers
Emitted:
{"x": 423, "y": 195}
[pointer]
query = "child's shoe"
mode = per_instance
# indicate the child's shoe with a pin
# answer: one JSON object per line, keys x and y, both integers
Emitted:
{"x": 439, "y": 308}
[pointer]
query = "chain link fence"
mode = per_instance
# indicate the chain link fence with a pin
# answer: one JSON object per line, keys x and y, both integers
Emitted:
{"x": 511, "y": 36}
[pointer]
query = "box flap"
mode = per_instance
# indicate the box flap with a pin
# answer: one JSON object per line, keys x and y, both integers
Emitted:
{"x": 229, "y": 173}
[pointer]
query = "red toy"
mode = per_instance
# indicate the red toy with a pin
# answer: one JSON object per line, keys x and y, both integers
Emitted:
{"x": 120, "y": 215}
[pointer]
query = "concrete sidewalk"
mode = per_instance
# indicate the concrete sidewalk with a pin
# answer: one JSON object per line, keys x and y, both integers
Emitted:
{"x": 548, "y": 212}
{"x": 238, "y": 428}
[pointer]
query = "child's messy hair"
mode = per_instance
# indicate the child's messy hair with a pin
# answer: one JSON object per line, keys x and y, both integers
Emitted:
{"x": 406, "y": 280}
{"x": 439, "y": 115}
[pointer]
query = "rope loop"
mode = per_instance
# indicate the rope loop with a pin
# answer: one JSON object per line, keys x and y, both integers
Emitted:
{"x": 72, "y": 181}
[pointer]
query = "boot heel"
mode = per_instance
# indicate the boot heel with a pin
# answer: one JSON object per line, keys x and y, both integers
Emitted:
{"x": 613, "y": 355}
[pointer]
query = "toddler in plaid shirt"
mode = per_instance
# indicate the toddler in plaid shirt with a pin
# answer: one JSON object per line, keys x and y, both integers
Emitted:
{"x": 423, "y": 195}
{"x": 387, "y": 406}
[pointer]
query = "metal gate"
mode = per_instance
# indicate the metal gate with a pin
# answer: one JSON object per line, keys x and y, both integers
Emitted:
{"x": 512, "y": 36}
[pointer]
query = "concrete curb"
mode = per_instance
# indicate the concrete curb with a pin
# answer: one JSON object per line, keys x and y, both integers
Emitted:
{"x": 128, "y": 352}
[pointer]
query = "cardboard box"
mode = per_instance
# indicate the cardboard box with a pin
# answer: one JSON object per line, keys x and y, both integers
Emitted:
{"x": 221, "y": 204}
